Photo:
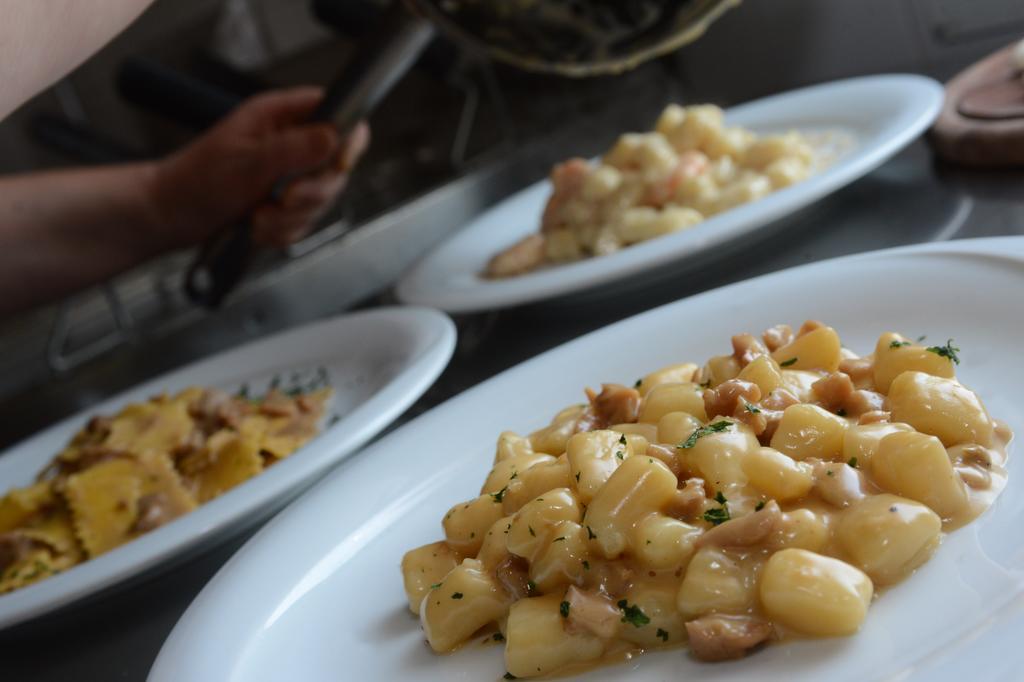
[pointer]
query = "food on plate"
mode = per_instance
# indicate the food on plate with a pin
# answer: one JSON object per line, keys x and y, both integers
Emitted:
{"x": 123, "y": 475}
{"x": 690, "y": 167}
{"x": 768, "y": 494}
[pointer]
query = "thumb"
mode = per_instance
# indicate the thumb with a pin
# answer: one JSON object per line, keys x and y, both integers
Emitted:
{"x": 298, "y": 149}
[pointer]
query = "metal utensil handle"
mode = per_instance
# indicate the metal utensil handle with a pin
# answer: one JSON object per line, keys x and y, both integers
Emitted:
{"x": 380, "y": 60}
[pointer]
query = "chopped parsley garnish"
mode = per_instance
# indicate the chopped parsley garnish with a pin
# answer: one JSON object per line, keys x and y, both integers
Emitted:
{"x": 662, "y": 635}
{"x": 751, "y": 408}
{"x": 787, "y": 363}
{"x": 619, "y": 454}
{"x": 637, "y": 383}
{"x": 510, "y": 676}
{"x": 530, "y": 528}
{"x": 563, "y": 609}
{"x": 531, "y": 586}
{"x": 632, "y": 614}
{"x": 559, "y": 538}
{"x": 852, "y": 462}
{"x": 922, "y": 338}
{"x": 898, "y": 344}
{"x": 435, "y": 586}
{"x": 456, "y": 595}
{"x": 498, "y": 637}
{"x": 577, "y": 477}
{"x": 586, "y": 565}
{"x": 948, "y": 351}
{"x": 717, "y": 427}
{"x": 243, "y": 392}
{"x": 759, "y": 506}
{"x": 500, "y": 495}
{"x": 829, "y": 472}
{"x": 590, "y": 534}
{"x": 514, "y": 475}
{"x": 622, "y": 439}
{"x": 719, "y": 515}
{"x": 716, "y": 516}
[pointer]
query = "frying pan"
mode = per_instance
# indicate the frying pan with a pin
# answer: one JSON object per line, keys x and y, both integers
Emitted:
{"x": 567, "y": 37}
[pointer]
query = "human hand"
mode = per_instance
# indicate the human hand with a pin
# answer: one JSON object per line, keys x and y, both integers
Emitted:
{"x": 228, "y": 173}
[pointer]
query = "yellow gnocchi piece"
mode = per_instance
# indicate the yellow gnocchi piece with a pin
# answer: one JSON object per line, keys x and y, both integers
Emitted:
{"x": 665, "y": 398}
{"x": 466, "y": 524}
{"x": 717, "y": 582}
{"x": 778, "y": 476}
{"x": 817, "y": 349}
{"x": 538, "y": 642}
{"x": 532, "y": 525}
{"x": 764, "y": 372}
{"x": 915, "y": 465}
{"x": 641, "y": 485}
{"x": 467, "y": 599}
{"x": 425, "y": 567}
{"x": 809, "y": 431}
{"x": 673, "y": 374}
{"x": 940, "y": 407}
{"x": 888, "y": 537}
{"x": 895, "y": 355}
{"x": 593, "y": 458}
{"x": 815, "y": 594}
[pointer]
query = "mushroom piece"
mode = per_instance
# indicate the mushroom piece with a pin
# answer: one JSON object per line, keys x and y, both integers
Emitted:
{"x": 720, "y": 637}
{"x": 746, "y": 530}
{"x": 591, "y": 612}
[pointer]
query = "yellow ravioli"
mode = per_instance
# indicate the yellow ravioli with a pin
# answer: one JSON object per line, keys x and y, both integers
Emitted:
{"x": 108, "y": 501}
{"x": 20, "y": 504}
{"x": 231, "y": 460}
{"x": 160, "y": 427}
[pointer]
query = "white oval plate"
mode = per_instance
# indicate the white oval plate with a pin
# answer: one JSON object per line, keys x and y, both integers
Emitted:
{"x": 881, "y": 114}
{"x": 378, "y": 363}
{"x": 317, "y": 595}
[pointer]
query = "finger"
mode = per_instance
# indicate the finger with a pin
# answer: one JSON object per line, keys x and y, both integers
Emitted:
{"x": 277, "y": 227}
{"x": 280, "y": 108}
{"x": 298, "y": 150}
{"x": 353, "y": 146}
{"x": 313, "y": 192}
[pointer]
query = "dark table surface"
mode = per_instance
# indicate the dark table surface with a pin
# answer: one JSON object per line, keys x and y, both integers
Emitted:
{"x": 911, "y": 199}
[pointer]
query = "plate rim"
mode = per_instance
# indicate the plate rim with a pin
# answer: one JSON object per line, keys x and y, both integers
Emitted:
{"x": 179, "y": 650}
{"x": 431, "y": 344}
{"x": 419, "y": 286}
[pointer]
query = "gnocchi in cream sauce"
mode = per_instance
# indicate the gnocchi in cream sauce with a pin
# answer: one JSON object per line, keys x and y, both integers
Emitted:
{"x": 690, "y": 167}
{"x": 770, "y": 493}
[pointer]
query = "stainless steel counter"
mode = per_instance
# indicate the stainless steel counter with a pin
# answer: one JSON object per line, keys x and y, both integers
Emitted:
{"x": 116, "y": 637}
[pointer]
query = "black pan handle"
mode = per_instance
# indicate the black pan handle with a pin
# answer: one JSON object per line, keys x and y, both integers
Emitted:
{"x": 380, "y": 60}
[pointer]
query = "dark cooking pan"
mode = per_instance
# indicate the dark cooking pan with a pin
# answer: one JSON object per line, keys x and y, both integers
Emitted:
{"x": 567, "y": 37}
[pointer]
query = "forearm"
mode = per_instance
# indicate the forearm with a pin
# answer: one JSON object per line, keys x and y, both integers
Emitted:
{"x": 62, "y": 231}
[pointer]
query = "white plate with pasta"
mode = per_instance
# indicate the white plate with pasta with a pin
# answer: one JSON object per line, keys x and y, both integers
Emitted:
{"x": 174, "y": 464}
{"x": 721, "y": 184}
{"x": 319, "y": 593}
